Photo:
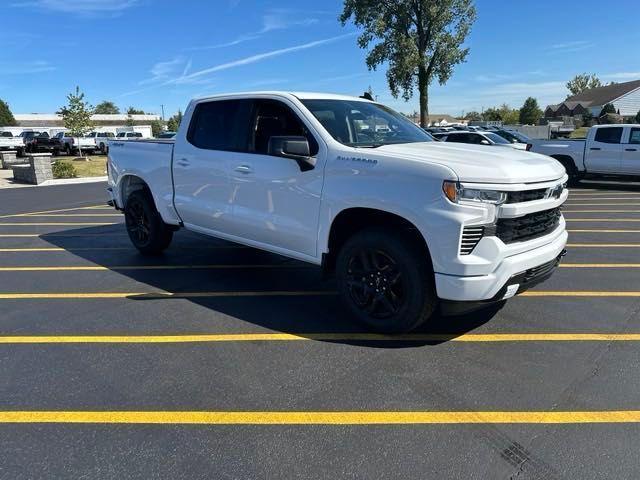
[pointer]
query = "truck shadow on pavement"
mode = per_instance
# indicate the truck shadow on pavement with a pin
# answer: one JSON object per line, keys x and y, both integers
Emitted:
{"x": 242, "y": 278}
{"x": 613, "y": 186}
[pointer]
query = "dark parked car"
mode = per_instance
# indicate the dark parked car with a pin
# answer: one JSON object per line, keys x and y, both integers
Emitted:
{"x": 36, "y": 142}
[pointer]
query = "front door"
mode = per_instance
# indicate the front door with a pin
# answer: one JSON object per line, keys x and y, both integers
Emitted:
{"x": 275, "y": 201}
{"x": 604, "y": 153}
{"x": 215, "y": 140}
{"x": 631, "y": 153}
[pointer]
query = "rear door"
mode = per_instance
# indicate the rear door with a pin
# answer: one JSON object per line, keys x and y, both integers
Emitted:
{"x": 604, "y": 153}
{"x": 216, "y": 138}
{"x": 631, "y": 152}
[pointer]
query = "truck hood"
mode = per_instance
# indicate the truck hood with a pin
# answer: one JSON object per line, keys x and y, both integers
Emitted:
{"x": 480, "y": 163}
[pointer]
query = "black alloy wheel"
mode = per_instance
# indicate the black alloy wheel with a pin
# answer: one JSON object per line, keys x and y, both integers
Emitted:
{"x": 148, "y": 233}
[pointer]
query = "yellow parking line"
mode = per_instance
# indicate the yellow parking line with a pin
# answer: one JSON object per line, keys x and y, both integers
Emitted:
{"x": 603, "y": 245}
{"x": 320, "y": 418}
{"x": 601, "y": 211}
{"x": 99, "y": 268}
{"x": 595, "y": 230}
{"x": 74, "y": 215}
{"x": 543, "y": 293}
{"x": 618, "y": 204}
{"x": 99, "y": 249}
{"x": 346, "y": 337}
{"x": 160, "y": 295}
{"x": 54, "y": 224}
{"x": 602, "y": 219}
{"x": 65, "y": 235}
{"x": 593, "y": 199}
{"x": 600, "y": 265}
{"x": 91, "y": 207}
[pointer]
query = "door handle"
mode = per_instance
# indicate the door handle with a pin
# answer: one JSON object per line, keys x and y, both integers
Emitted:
{"x": 183, "y": 162}
{"x": 244, "y": 169}
{"x": 630, "y": 149}
{"x": 595, "y": 148}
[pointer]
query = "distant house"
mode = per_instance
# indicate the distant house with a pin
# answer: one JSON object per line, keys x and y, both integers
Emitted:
{"x": 439, "y": 120}
{"x": 625, "y": 97}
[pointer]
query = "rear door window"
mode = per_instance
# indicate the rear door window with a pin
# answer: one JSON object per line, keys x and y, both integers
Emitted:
{"x": 220, "y": 125}
{"x": 609, "y": 135}
{"x": 635, "y": 136}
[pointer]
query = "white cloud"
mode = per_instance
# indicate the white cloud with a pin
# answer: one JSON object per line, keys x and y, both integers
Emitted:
{"x": 623, "y": 76}
{"x": 79, "y": 7}
{"x": 25, "y": 68}
{"x": 162, "y": 71}
{"x": 569, "y": 47}
{"x": 272, "y": 20}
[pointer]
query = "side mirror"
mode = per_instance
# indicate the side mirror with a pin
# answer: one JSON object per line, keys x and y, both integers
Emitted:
{"x": 295, "y": 148}
{"x": 485, "y": 142}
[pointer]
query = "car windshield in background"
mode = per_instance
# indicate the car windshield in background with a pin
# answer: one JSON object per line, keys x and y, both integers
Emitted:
{"x": 495, "y": 138}
{"x": 363, "y": 124}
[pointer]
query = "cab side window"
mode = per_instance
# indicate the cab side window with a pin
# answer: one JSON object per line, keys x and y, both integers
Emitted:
{"x": 220, "y": 125}
{"x": 635, "y": 136}
{"x": 609, "y": 135}
{"x": 275, "y": 119}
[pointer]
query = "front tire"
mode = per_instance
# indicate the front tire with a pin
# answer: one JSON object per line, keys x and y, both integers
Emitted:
{"x": 148, "y": 233}
{"x": 386, "y": 280}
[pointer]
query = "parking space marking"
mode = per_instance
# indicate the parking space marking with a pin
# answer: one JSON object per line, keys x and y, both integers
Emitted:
{"x": 100, "y": 268}
{"x": 65, "y": 235}
{"x": 600, "y": 211}
{"x": 623, "y": 204}
{"x": 26, "y": 214}
{"x": 345, "y": 337}
{"x": 160, "y": 295}
{"x": 562, "y": 293}
{"x": 55, "y": 224}
{"x": 593, "y": 199}
{"x": 74, "y": 215}
{"x": 600, "y": 265}
{"x": 99, "y": 249}
{"x": 602, "y": 219}
{"x": 595, "y": 230}
{"x": 603, "y": 245}
{"x": 320, "y": 418}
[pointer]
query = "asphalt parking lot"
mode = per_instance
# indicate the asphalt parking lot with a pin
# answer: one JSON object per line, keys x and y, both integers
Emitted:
{"x": 218, "y": 361}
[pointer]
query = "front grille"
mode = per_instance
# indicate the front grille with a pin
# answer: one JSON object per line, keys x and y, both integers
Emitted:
{"x": 470, "y": 238}
{"x": 530, "y": 226}
{"x": 526, "y": 195}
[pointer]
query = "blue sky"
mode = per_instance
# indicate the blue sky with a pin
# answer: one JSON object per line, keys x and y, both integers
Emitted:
{"x": 151, "y": 52}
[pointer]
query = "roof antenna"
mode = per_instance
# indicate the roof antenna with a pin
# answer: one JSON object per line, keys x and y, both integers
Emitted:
{"x": 367, "y": 96}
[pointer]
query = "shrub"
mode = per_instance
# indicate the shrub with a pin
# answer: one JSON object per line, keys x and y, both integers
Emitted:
{"x": 64, "y": 170}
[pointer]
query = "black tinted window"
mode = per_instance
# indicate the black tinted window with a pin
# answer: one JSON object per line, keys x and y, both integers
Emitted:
{"x": 635, "y": 136}
{"x": 609, "y": 135}
{"x": 459, "y": 138}
{"x": 275, "y": 119}
{"x": 219, "y": 125}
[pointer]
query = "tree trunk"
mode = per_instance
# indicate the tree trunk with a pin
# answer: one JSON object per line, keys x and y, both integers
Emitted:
{"x": 423, "y": 86}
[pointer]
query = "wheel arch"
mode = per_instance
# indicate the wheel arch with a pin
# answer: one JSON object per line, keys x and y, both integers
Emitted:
{"x": 354, "y": 219}
{"x": 567, "y": 162}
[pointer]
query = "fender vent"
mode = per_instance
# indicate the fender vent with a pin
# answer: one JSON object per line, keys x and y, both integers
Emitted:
{"x": 470, "y": 238}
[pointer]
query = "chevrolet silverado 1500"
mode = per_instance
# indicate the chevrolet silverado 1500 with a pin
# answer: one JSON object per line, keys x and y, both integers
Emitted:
{"x": 404, "y": 222}
{"x": 608, "y": 150}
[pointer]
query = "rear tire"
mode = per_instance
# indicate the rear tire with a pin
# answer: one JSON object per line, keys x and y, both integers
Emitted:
{"x": 148, "y": 233}
{"x": 386, "y": 280}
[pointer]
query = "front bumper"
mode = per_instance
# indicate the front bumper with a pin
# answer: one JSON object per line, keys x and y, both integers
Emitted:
{"x": 488, "y": 287}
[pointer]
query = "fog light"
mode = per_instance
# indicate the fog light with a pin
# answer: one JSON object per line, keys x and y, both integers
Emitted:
{"x": 511, "y": 291}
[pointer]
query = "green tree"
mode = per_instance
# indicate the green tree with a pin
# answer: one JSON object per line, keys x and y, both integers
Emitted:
{"x": 473, "y": 116}
{"x": 608, "y": 108}
{"x": 106, "y": 108}
{"x": 6, "y": 117}
{"x": 530, "y": 112}
{"x": 638, "y": 117}
{"x": 174, "y": 122}
{"x": 419, "y": 40}
{"x": 129, "y": 122}
{"x": 582, "y": 82}
{"x": 134, "y": 111}
{"x": 156, "y": 128}
{"x": 492, "y": 115}
{"x": 510, "y": 116}
{"x": 76, "y": 115}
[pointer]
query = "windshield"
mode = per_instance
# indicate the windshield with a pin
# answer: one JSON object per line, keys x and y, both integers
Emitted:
{"x": 363, "y": 124}
{"x": 495, "y": 138}
{"x": 6, "y": 134}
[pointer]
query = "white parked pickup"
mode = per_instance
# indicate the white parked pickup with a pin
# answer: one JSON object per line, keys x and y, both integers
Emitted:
{"x": 607, "y": 150}
{"x": 404, "y": 222}
{"x": 9, "y": 142}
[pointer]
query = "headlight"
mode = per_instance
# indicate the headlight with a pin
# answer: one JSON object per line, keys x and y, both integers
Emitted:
{"x": 458, "y": 194}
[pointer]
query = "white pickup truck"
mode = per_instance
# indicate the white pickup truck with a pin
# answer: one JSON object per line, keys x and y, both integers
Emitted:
{"x": 68, "y": 144}
{"x": 9, "y": 142}
{"x": 608, "y": 150}
{"x": 404, "y": 222}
